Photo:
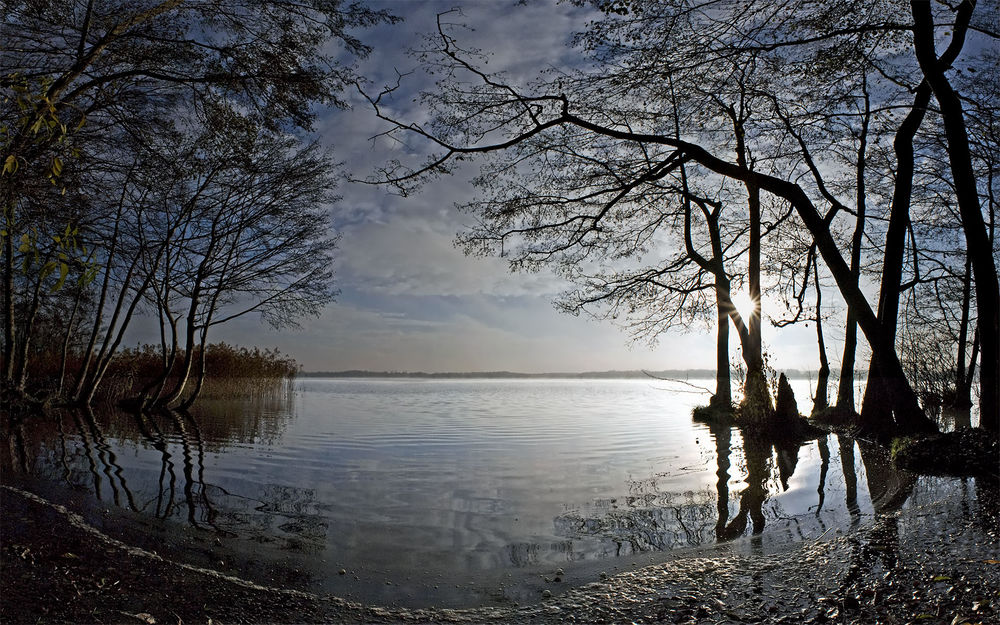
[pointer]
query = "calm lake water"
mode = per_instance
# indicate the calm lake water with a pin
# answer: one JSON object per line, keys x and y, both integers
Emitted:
{"x": 451, "y": 492}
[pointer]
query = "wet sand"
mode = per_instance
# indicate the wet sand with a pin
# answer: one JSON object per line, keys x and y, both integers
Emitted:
{"x": 936, "y": 562}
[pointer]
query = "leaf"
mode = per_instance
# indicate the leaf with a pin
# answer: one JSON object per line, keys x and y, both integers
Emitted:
{"x": 942, "y": 578}
{"x": 10, "y": 164}
{"x": 63, "y": 272}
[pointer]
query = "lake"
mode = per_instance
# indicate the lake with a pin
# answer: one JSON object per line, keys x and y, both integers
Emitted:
{"x": 450, "y": 492}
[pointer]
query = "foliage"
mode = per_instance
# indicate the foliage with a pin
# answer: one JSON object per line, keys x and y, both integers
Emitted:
{"x": 155, "y": 157}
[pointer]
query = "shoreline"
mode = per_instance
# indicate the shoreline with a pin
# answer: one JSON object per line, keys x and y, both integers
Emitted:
{"x": 929, "y": 563}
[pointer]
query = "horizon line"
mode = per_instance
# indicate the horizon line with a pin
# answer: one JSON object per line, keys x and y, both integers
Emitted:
{"x": 697, "y": 373}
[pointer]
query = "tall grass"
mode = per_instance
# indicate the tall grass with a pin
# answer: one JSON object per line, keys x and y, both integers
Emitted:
{"x": 231, "y": 371}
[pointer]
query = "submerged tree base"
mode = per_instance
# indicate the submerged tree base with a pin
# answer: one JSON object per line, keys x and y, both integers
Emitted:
{"x": 836, "y": 416}
{"x": 721, "y": 413}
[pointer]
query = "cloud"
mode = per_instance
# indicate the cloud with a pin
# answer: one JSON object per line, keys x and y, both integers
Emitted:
{"x": 410, "y": 300}
{"x": 480, "y": 333}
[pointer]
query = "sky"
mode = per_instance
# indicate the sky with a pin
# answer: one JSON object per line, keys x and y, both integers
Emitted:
{"x": 409, "y": 300}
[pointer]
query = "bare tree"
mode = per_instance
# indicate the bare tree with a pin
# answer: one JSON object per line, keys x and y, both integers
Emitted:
{"x": 608, "y": 133}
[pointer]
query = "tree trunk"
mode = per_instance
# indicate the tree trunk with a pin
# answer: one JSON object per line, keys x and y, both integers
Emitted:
{"x": 23, "y": 346}
{"x": 8, "y": 291}
{"x": 820, "y": 402}
{"x": 64, "y": 358}
{"x": 109, "y": 347}
{"x": 189, "y": 348}
{"x": 877, "y": 401}
{"x": 845, "y": 390}
{"x": 756, "y": 406}
{"x": 202, "y": 370}
{"x": 88, "y": 353}
{"x": 966, "y": 193}
{"x": 723, "y": 397}
{"x": 150, "y": 393}
{"x": 962, "y": 397}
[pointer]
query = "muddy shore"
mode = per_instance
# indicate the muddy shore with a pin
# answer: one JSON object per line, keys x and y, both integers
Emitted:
{"x": 936, "y": 562}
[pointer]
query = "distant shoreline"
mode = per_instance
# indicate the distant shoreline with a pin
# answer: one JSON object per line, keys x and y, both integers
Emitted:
{"x": 672, "y": 374}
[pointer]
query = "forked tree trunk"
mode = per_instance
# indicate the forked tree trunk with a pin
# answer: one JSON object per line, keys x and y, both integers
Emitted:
{"x": 966, "y": 193}
{"x": 877, "y": 404}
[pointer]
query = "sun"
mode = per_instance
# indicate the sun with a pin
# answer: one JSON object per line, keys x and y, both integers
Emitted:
{"x": 743, "y": 303}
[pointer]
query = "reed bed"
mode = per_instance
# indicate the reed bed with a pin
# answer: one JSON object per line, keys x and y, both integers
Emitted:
{"x": 231, "y": 371}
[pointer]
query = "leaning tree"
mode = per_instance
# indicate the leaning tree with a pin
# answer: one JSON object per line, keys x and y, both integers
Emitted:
{"x": 89, "y": 89}
{"x": 570, "y": 158}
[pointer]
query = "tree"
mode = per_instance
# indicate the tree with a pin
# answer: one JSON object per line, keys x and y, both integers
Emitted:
{"x": 90, "y": 87}
{"x": 610, "y": 128}
{"x": 261, "y": 243}
{"x": 978, "y": 242}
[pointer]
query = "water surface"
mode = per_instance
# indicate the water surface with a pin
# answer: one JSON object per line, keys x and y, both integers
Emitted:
{"x": 451, "y": 492}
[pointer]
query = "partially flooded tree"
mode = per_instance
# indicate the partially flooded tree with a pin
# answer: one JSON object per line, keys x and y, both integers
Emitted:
{"x": 90, "y": 88}
{"x": 260, "y": 243}
{"x": 609, "y": 129}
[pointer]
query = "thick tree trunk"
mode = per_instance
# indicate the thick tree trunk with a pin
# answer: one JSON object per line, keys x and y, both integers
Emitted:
{"x": 966, "y": 193}
{"x": 877, "y": 401}
{"x": 199, "y": 382}
{"x": 150, "y": 393}
{"x": 756, "y": 406}
{"x": 188, "y": 362}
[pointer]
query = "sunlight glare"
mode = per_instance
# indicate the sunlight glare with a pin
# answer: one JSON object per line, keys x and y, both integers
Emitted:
{"x": 743, "y": 303}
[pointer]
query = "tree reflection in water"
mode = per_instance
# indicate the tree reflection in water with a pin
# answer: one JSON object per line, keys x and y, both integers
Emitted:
{"x": 76, "y": 447}
{"x": 660, "y": 521}
{"x": 162, "y": 465}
